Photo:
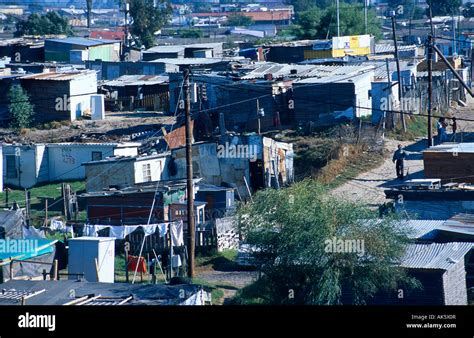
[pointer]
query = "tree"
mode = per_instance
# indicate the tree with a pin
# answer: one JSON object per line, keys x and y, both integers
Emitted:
{"x": 418, "y": 13}
{"x": 239, "y": 20}
{"x": 293, "y": 231}
{"x": 303, "y": 5}
{"x": 191, "y": 33}
{"x": 443, "y": 7}
{"x": 148, "y": 18}
{"x": 20, "y": 108}
{"x": 468, "y": 10}
{"x": 309, "y": 24}
{"x": 50, "y": 23}
{"x": 317, "y": 24}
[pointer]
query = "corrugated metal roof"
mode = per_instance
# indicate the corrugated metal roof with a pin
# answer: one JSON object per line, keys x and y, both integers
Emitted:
{"x": 452, "y": 148}
{"x": 386, "y": 48}
{"x": 86, "y": 42}
{"x": 419, "y": 228}
{"x": 91, "y": 144}
{"x": 381, "y": 69}
{"x": 59, "y": 76}
{"x": 442, "y": 256}
{"x": 136, "y": 80}
{"x": 164, "y": 49}
{"x": 304, "y": 71}
{"x": 197, "y": 61}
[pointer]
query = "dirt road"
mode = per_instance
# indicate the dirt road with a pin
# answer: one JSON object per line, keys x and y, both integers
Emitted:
{"x": 369, "y": 187}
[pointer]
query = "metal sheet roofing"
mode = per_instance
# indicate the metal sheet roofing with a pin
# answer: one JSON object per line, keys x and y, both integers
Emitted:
{"x": 452, "y": 148}
{"x": 95, "y": 144}
{"x": 442, "y": 256}
{"x": 164, "y": 49}
{"x": 386, "y": 48}
{"x": 136, "y": 80}
{"x": 419, "y": 228}
{"x": 304, "y": 71}
{"x": 86, "y": 42}
{"x": 59, "y": 76}
{"x": 197, "y": 61}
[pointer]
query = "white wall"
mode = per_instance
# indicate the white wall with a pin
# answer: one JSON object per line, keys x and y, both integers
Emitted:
{"x": 157, "y": 166}
{"x": 363, "y": 85}
{"x": 80, "y": 92}
{"x": 65, "y": 160}
{"x": 27, "y": 163}
{"x": 130, "y": 149}
{"x": 57, "y": 162}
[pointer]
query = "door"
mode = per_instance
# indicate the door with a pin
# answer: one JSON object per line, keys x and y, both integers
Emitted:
{"x": 256, "y": 174}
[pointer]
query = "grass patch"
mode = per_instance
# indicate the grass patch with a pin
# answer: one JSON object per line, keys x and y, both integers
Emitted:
{"x": 217, "y": 293}
{"x": 358, "y": 159}
{"x": 416, "y": 127}
{"x": 252, "y": 294}
{"x": 52, "y": 191}
{"x": 312, "y": 152}
{"x": 220, "y": 261}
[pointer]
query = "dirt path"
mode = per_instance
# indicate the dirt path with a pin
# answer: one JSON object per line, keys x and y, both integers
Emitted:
{"x": 369, "y": 187}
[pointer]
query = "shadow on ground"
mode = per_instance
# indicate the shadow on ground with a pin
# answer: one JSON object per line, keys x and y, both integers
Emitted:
{"x": 224, "y": 264}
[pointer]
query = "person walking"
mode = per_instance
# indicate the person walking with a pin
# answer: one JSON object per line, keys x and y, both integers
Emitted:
{"x": 441, "y": 127}
{"x": 398, "y": 158}
{"x": 454, "y": 127}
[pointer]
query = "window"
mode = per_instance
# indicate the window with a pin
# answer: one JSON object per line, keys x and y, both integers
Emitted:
{"x": 96, "y": 155}
{"x": 146, "y": 172}
{"x": 11, "y": 166}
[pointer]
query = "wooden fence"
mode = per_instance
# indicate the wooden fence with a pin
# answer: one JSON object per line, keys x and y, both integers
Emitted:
{"x": 152, "y": 102}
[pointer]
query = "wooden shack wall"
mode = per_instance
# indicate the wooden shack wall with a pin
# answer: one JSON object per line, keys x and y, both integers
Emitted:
{"x": 449, "y": 166}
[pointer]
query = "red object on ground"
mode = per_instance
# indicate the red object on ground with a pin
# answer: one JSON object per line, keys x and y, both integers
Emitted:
{"x": 132, "y": 264}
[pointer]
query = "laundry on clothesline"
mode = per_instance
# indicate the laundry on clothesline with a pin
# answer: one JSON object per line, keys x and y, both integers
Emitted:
{"x": 122, "y": 231}
{"x": 60, "y": 226}
{"x": 176, "y": 230}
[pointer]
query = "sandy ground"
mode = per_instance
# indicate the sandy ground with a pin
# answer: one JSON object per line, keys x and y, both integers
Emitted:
{"x": 118, "y": 126}
{"x": 369, "y": 187}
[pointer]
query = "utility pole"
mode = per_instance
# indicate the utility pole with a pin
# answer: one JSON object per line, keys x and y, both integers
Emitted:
{"x": 400, "y": 82}
{"x": 89, "y": 10}
{"x": 430, "y": 88}
{"x": 258, "y": 117}
{"x": 337, "y": 15}
{"x": 454, "y": 35}
{"x": 126, "y": 9}
{"x": 365, "y": 16}
{"x": 189, "y": 174}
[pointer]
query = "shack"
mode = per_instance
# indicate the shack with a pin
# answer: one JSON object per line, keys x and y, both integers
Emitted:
{"x": 452, "y": 162}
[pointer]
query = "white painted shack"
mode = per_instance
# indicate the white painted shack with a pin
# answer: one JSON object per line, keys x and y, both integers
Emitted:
{"x": 28, "y": 165}
{"x": 61, "y": 95}
{"x": 124, "y": 171}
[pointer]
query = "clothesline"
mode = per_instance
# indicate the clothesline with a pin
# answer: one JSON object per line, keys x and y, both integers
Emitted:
{"x": 122, "y": 231}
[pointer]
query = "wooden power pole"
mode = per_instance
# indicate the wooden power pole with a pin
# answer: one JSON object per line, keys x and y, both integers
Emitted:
{"x": 89, "y": 12}
{"x": 430, "y": 88}
{"x": 400, "y": 82}
{"x": 189, "y": 174}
